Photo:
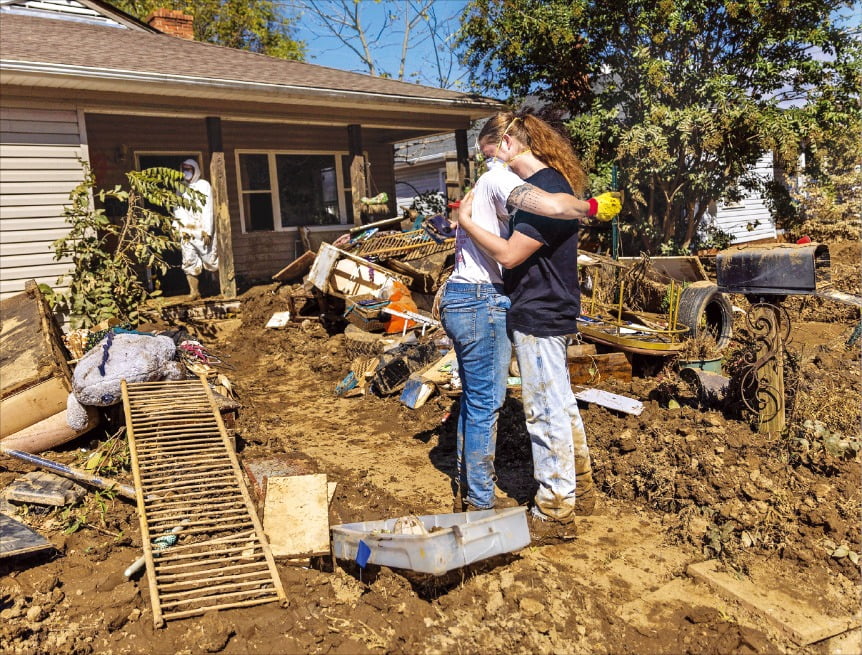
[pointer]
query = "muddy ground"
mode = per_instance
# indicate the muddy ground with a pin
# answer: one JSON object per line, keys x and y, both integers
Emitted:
{"x": 678, "y": 486}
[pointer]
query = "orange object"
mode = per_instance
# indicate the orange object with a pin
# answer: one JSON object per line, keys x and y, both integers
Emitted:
{"x": 401, "y": 301}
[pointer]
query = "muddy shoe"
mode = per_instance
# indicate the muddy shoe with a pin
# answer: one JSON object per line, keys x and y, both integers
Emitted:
{"x": 546, "y": 531}
{"x": 585, "y": 501}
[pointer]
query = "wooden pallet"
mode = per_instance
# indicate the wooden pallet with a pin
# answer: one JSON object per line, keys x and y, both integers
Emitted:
{"x": 188, "y": 480}
{"x": 403, "y": 245}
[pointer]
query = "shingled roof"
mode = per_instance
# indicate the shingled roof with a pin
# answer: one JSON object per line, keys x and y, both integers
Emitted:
{"x": 52, "y": 53}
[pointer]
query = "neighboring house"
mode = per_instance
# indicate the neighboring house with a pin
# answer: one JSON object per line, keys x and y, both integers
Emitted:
{"x": 749, "y": 219}
{"x": 421, "y": 166}
{"x": 302, "y": 143}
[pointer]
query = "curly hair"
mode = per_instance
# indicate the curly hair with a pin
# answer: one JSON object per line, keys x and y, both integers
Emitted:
{"x": 546, "y": 143}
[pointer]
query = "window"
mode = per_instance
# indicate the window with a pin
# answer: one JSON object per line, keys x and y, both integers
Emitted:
{"x": 284, "y": 190}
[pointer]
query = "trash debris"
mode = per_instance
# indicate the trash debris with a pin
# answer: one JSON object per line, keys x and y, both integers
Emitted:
{"x": 119, "y": 357}
{"x": 260, "y": 469}
{"x": 18, "y": 539}
{"x": 296, "y": 515}
{"x": 44, "y": 488}
{"x": 610, "y": 400}
{"x": 278, "y": 320}
{"x": 79, "y": 475}
{"x": 35, "y": 378}
{"x": 421, "y": 385}
{"x": 159, "y": 544}
{"x": 449, "y": 541}
{"x": 397, "y": 364}
{"x": 161, "y": 416}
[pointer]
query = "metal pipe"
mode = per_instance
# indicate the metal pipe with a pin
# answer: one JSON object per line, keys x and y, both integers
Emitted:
{"x": 124, "y": 490}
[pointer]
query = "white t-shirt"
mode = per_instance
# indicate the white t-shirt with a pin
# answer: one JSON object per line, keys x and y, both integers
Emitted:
{"x": 492, "y": 190}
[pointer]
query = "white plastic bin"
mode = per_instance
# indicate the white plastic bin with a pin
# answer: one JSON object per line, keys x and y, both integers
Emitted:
{"x": 454, "y": 540}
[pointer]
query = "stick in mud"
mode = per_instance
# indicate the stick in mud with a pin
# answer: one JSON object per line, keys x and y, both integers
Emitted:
{"x": 124, "y": 490}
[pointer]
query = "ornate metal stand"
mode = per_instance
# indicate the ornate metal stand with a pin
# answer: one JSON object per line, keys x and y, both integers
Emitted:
{"x": 763, "y": 379}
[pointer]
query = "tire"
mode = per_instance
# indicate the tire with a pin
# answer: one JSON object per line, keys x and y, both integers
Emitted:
{"x": 358, "y": 342}
{"x": 705, "y": 310}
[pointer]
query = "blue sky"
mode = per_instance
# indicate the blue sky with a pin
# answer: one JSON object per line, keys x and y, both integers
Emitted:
{"x": 422, "y": 65}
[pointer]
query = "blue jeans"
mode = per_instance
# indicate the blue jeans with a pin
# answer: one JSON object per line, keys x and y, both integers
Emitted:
{"x": 553, "y": 421}
{"x": 474, "y": 317}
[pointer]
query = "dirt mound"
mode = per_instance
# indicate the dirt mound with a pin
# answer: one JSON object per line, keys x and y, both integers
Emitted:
{"x": 679, "y": 484}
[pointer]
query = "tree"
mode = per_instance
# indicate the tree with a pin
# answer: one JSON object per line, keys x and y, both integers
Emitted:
{"x": 254, "y": 25}
{"x": 383, "y": 37}
{"x": 685, "y": 96}
{"x": 108, "y": 256}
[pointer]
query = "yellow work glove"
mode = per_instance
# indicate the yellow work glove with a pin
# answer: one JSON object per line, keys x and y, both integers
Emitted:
{"x": 207, "y": 239}
{"x": 605, "y": 206}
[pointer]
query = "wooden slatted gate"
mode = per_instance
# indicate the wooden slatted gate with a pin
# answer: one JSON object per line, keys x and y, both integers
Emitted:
{"x": 189, "y": 482}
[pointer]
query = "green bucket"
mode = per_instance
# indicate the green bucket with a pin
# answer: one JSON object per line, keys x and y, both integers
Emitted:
{"x": 710, "y": 365}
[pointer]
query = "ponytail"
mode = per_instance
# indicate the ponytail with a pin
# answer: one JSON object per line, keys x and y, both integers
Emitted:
{"x": 547, "y": 144}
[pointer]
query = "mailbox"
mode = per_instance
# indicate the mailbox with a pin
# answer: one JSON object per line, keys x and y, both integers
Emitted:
{"x": 781, "y": 269}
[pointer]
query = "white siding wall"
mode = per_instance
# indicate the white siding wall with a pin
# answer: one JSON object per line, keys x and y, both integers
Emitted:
{"x": 424, "y": 179}
{"x": 750, "y": 220}
{"x": 39, "y": 152}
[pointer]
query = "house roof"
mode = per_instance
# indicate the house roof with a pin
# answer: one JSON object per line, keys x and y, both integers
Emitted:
{"x": 46, "y": 52}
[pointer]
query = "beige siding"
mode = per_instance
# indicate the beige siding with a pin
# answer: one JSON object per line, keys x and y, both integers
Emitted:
{"x": 39, "y": 153}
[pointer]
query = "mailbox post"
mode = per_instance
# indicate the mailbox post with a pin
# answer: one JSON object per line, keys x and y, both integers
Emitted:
{"x": 766, "y": 275}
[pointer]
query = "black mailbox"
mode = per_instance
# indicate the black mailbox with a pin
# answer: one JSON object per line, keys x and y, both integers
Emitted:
{"x": 780, "y": 269}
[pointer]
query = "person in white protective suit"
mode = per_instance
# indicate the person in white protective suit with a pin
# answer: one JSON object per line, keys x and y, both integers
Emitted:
{"x": 197, "y": 230}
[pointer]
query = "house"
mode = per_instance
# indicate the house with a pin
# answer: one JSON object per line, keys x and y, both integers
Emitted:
{"x": 301, "y": 143}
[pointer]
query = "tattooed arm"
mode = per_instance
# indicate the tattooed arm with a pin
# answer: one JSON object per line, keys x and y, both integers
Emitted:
{"x": 509, "y": 252}
{"x": 553, "y": 205}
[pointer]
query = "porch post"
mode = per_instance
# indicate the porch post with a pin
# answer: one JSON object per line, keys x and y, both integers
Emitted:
{"x": 218, "y": 181}
{"x": 357, "y": 170}
{"x": 462, "y": 155}
{"x": 457, "y": 167}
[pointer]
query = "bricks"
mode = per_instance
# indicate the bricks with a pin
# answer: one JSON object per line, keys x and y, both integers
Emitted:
{"x": 172, "y": 22}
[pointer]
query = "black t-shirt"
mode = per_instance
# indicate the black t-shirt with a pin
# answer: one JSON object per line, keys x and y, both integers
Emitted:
{"x": 546, "y": 297}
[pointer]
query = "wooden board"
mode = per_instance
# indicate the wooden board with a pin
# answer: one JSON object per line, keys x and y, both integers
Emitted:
{"x": 801, "y": 622}
{"x": 30, "y": 347}
{"x": 297, "y": 268}
{"x": 296, "y": 515}
{"x": 591, "y": 369}
{"x": 36, "y": 403}
{"x": 18, "y": 539}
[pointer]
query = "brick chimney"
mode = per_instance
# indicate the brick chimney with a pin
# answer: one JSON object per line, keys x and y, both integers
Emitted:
{"x": 170, "y": 21}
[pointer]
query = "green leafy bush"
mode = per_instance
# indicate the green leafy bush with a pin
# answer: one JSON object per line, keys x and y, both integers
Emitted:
{"x": 108, "y": 256}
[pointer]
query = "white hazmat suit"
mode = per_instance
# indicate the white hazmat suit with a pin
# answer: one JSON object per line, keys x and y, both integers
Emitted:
{"x": 197, "y": 229}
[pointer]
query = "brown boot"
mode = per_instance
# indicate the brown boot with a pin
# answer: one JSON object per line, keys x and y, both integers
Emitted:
{"x": 194, "y": 287}
{"x": 585, "y": 503}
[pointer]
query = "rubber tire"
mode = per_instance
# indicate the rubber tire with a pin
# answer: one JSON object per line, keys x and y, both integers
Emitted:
{"x": 703, "y": 308}
{"x": 359, "y": 343}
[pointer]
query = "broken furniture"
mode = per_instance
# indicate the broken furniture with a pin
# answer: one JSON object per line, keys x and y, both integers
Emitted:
{"x": 185, "y": 469}
{"x": 650, "y": 306}
{"x": 345, "y": 275}
{"x": 443, "y": 541}
{"x": 35, "y": 379}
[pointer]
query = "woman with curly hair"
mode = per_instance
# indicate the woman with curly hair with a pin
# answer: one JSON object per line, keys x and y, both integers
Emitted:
{"x": 540, "y": 260}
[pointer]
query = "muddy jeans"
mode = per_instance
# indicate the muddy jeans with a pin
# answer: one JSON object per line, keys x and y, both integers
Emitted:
{"x": 553, "y": 421}
{"x": 474, "y": 317}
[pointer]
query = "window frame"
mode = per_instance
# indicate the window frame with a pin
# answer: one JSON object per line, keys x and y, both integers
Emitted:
{"x": 275, "y": 196}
